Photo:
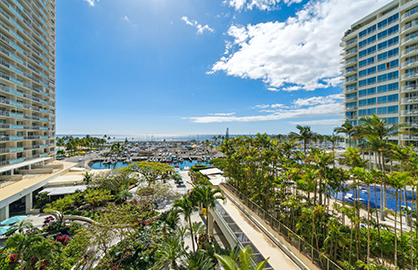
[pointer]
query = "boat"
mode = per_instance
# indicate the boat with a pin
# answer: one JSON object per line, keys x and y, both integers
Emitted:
{"x": 168, "y": 160}
{"x": 176, "y": 166}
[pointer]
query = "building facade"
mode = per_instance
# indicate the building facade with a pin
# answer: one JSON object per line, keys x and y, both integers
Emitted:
{"x": 27, "y": 83}
{"x": 380, "y": 67}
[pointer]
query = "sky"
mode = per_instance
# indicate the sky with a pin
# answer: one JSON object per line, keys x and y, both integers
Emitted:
{"x": 183, "y": 67}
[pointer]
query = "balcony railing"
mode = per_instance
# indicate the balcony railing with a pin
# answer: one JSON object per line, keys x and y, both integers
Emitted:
{"x": 409, "y": 112}
{"x": 410, "y": 37}
{"x": 408, "y": 88}
{"x": 409, "y": 100}
{"x": 353, "y": 79}
{"x": 12, "y": 126}
{"x": 408, "y": 76}
{"x": 409, "y": 63}
{"x": 409, "y": 13}
{"x": 21, "y": 138}
{"x": 410, "y": 50}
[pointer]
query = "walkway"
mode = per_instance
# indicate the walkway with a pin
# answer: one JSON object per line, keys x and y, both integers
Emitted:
{"x": 278, "y": 260}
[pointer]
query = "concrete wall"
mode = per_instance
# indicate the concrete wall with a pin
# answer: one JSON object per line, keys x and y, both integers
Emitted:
{"x": 11, "y": 177}
{"x": 53, "y": 166}
{"x": 225, "y": 231}
{"x": 36, "y": 171}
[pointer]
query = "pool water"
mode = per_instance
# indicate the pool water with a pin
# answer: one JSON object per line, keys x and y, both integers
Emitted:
{"x": 99, "y": 165}
{"x": 390, "y": 193}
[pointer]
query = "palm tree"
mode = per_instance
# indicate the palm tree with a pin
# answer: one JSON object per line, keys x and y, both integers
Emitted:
{"x": 346, "y": 128}
{"x": 168, "y": 253}
{"x": 206, "y": 196}
{"x": 228, "y": 263}
{"x": 305, "y": 134}
{"x": 332, "y": 139}
{"x": 184, "y": 205}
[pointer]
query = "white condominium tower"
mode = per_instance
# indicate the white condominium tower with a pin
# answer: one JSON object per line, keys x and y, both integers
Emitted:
{"x": 380, "y": 66}
{"x": 27, "y": 83}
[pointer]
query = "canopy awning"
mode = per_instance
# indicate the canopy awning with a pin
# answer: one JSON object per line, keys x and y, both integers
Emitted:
{"x": 63, "y": 190}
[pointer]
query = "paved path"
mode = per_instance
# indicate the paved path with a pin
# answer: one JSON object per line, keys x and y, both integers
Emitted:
{"x": 278, "y": 260}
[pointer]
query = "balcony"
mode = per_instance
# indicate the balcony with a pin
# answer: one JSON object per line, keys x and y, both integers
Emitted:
{"x": 409, "y": 39}
{"x": 350, "y": 99}
{"x": 410, "y": 27}
{"x": 410, "y": 63}
{"x": 27, "y": 127}
{"x": 409, "y": 51}
{"x": 349, "y": 80}
{"x": 410, "y": 13}
{"x": 22, "y": 138}
{"x": 352, "y": 108}
{"x": 409, "y": 76}
{"x": 409, "y": 112}
{"x": 409, "y": 88}
{"x": 408, "y": 137}
{"x": 351, "y": 61}
{"x": 350, "y": 90}
{"x": 409, "y": 100}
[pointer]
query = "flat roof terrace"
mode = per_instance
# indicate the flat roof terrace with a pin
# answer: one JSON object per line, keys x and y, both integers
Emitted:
{"x": 30, "y": 182}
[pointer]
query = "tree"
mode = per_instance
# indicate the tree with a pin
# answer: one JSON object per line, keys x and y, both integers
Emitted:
{"x": 95, "y": 196}
{"x": 169, "y": 251}
{"x": 228, "y": 263}
{"x": 206, "y": 196}
{"x": 152, "y": 171}
{"x": 346, "y": 128}
{"x": 305, "y": 134}
{"x": 185, "y": 206}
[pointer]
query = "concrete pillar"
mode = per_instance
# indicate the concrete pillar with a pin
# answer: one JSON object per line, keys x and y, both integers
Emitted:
{"x": 4, "y": 213}
{"x": 12, "y": 172}
{"x": 210, "y": 224}
{"x": 28, "y": 202}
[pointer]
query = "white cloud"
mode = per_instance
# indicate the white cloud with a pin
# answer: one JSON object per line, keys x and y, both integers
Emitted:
{"x": 301, "y": 108}
{"x": 316, "y": 100}
{"x": 91, "y": 2}
{"x": 324, "y": 122}
{"x": 301, "y": 53}
{"x": 222, "y": 114}
{"x": 199, "y": 27}
{"x": 125, "y": 18}
{"x": 260, "y": 4}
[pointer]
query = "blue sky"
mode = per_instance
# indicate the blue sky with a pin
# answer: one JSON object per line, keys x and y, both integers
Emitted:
{"x": 183, "y": 67}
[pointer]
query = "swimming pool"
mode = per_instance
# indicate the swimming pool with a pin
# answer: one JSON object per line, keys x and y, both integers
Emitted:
{"x": 390, "y": 193}
{"x": 98, "y": 165}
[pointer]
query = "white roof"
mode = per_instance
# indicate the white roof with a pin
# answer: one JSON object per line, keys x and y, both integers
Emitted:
{"x": 217, "y": 181}
{"x": 211, "y": 171}
{"x": 63, "y": 190}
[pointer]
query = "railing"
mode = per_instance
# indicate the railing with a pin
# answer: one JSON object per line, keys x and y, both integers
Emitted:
{"x": 316, "y": 256}
{"x": 410, "y": 50}
{"x": 409, "y": 100}
{"x": 351, "y": 61}
{"x": 409, "y": 13}
{"x": 350, "y": 90}
{"x": 410, "y": 37}
{"x": 409, "y": 25}
{"x": 351, "y": 108}
{"x": 409, "y": 112}
{"x": 408, "y": 76}
{"x": 409, "y": 63}
{"x": 408, "y": 88}
{"x": 351, "y": 79}
{"x": 350, "y": 98}
{"x": 21, "y": 138}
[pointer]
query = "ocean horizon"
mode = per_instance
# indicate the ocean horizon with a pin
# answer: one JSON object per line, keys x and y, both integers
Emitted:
{"x": 149, "y": 137}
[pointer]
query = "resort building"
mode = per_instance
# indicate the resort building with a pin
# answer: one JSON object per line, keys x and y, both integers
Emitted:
{"x": 380, "y": 66}
{"x": 27, "y": 84}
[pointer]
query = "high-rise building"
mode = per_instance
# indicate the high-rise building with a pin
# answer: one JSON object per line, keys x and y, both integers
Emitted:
{"x": 380, "y": 66}
{"x": 27, "y": 83}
